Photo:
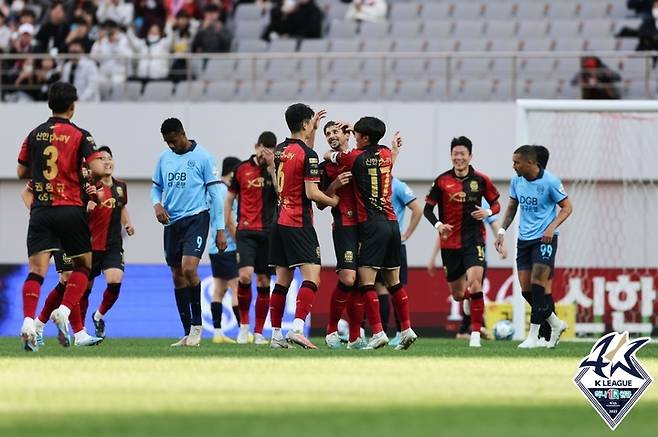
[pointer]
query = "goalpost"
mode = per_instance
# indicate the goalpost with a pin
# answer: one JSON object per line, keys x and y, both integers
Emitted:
{"x": 606, "y": 153}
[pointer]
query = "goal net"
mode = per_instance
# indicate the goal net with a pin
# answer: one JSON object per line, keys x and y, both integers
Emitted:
{"x": 606, "y": 153}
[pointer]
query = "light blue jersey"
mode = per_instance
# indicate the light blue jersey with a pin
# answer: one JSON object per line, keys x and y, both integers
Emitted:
{"x": 538, "y": 200}
{"x": 183, "y": 182}
{"x": 230, "y": 244}
{"x": 401, "y": 197}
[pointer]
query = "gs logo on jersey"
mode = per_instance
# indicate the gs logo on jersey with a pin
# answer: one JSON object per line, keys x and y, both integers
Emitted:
{"x": 474, "y": 186}
{"x": 119, "y": 191}
{"x": 317, "y": 252}
{"x": 348, "y": 256}
{"x": 611, "y": 377}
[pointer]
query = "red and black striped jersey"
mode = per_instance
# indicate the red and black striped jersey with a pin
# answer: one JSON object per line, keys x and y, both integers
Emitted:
{"x": 457, "y": 199}
{"x": 105, "y": 219}
{"x": 296, "y": 164}
{"x": 253, "y": 185}
{"x": 345, "y": 213}
{"x": 54, "y": 152}
{"x": 371, "y": 175}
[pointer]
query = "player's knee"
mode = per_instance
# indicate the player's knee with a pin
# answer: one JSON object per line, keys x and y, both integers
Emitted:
{"x": 347, "y": 277}
{"x": 245, "y": 277}
{"x": 458, "y": 295}
{"x": 474, "y": 285}
{"x": 190, "y": 274}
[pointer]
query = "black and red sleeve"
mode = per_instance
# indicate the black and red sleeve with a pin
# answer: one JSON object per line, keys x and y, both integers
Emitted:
{"x": 235, "y": 182}
{"x": 491, "y": 194}
{"x": 434, "y": 196}
{"x": 311, "y": 167}
{"x": 24, "y": 154}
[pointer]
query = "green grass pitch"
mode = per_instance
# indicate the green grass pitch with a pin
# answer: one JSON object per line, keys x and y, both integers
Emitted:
{"x": 142, "y": 387}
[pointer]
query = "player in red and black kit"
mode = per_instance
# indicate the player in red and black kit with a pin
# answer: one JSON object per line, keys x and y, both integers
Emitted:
{"x": 379, "y": 235}
{"x": 337, "y": 179}
{"x": 253, "y": 185}
{"x": 458, "y": 193}
{"x": 52, "y": 156}
{"x": 294, "y": 242}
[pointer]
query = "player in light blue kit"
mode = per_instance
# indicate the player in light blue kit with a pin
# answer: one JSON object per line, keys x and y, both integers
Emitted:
{"x": 185, "y": 177}
{"x": 402, "y": 198}
{"x": 538, "y": 193}
{"x": 224, "y": 265}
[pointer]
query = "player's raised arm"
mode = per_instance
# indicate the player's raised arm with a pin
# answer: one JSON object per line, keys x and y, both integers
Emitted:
{"x": 396, "y": 145}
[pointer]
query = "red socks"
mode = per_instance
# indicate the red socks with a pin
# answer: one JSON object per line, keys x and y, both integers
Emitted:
{"x": 355, "y": 313}
{"x": 77, "y": 319}
{"x": 31, "y": 292}
{"x": 244, "y": 302}
{"x": 52, "y": 302}
{"x": 372, "y": 308}
{"x": 110, "y": 297}
{"x": 84, "y": 305}
{"x": 338, "y": 303}
{"x": 75, "y": 287}
{"x": 305, "y": 298}
{"x": 400, "y": 301}
{"x": 262, "y": 307}
{"x": 477, "y": 311}
{"x": 278, "y": 305}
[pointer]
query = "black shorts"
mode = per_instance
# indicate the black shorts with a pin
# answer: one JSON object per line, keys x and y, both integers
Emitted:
{"x": 186, "y": 237}
{"x": 404, "y": 269}
{"x": 51, "y": 225}
{"x": 112, "y": 258}
{"x": 379, "y": 245}
{"x": 62, "y": 262}
{"x": 224, "y": 265}
{"x": 457, "y": 261}
{"x": 292, "y": 247}
{"x": 253, "y": 251}
{"x": 535, "y": 252}
{"x": 346, "y": 245}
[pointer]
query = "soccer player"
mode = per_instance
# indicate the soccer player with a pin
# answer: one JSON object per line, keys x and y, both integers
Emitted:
{"x": 294, "y": 242}
{"x": 224, "y": 265}
{"x": 543, "y": 155}
{"x": 107, "y": 219}
{"x": 538, "y": 192}
{"x": 254, "y": 188}
{"x": 50, "y": 157}
{"x": 403, "y": 197}
{"x": 379, "y": 235}
{"x": 458, "y": 194}
{"x": 185, "y": 187}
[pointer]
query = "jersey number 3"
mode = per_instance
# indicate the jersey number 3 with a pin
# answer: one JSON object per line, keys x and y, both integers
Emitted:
{"x": 51, "y": 154}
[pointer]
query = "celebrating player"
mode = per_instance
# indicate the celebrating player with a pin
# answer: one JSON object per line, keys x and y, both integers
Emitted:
{"x": 294, "y": 242}
{"x": 185, "y": 186}
{"x": 253, "y": 186}
{"x": 458, "y": 193}
{"x": 224, "y": 265}
{"x": 378, "y": 232}
{"x": 51, "y": 156}
{"x": 538, "y": 192}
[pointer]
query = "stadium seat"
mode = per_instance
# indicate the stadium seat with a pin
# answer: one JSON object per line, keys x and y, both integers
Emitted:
{"x": 342, "y": 29}
{"x": 374, "y": 30}
{"x": 498, "y": 10}
{"x": 505, "y": 45}
{"x": 636, "y": 89}
{"x": 375, "y": 68}
{"x": 219, "y": 69}
{"x": 471, "y": 68}
{"x": 597, "y": 28}
{"x": 343, "y": 69}
{"x": 346, "y": 90}
{"x": 283, "y": 45}
{"x": 469, "y": 29}
{"x": 473, "y": 45}
{"x": 408, "y": 69}
{"x": 537, "y": 45}
{"x": 437, "y": 11}
{"x": 309, "y": 68}
{"x": 532, "y": 29}
{"x": 566, "y": 68}
{"x": 569, "y": 45}
{"x": 618, "y": 10}
{"x": 501, "y": 90}
{"x": 437, "y": 29}
{"x": 438, "y": 68}
{"x": 468, "y": 10}
{"x": 564, "y": 28}
{"x": 501, "y": 29}
{"x": 404, "y": 11}
{"x": 473, "y": 91}
{"x": 626, "y": 44}
{"x": 314, "y": 46}
{"x": 345, "y": 45}
{"x": 248, "y": 29}
{"x": 157, "y": 91}
{"x": 405, "y": 29}
{"x": 281, "y": 90}
{"x": 442, "y": 45}
{"x": 635, "y": 68}
{"x": 126, "y": 91}
{"x": 536, "y": 68}
{"x": 409, "y": 90}
{"x": 247, "y": 12}
{"x": 502, "y": 68}
{"x": 251, "y": 45}
{"x": 409, "y": 45}
{"x": 189, "y": 91}
{"x": 280, "y": 69}
{"x": 601, "y": 44}
{"x": 223, "y": 91}
{"x": 530, "y": 10}
{"x": 337, "y": 11}
{"x": 594, "y": 9}
{"x": 562, "y": 10}
{"x": 377, "y": 45}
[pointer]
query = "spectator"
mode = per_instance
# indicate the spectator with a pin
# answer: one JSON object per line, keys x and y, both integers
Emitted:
{"x": 182, "y": 31}
{"x": 148, "y": 13}
{"x": 52, "y": 34}
{"x": 213, "y": 37}
{"x": 80, "y": 32}
{"x": 190, "y": 7}
{"x": 152, "y": 53}
{"x": 111, "y": 49}
{"x": 596, "y": 80}
{"x": 81, "y": 72}
{"x": 117, "y": 10}
{"x": 294, "y": 19}
{"x": 27, "y": 16}
{"x": 648, "y": 31}
{"x": 367, "y": 10}
{"x": 5, "y": 35}
{"x": 35, "y": 81}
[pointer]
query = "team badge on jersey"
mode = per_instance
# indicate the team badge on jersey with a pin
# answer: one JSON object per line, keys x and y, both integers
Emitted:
{"x": 119, "y": 191}
{"x": 349, "y": 256}
{"x": 611, "y": 377}
{"x": 475, "y": 186}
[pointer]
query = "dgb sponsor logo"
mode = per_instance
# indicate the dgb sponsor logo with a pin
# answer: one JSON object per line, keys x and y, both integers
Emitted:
{"x": 611, "y": 377}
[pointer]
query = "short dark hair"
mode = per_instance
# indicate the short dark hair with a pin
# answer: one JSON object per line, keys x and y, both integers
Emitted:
{"x": 182, "y": 14}
{"x": 542, "y": 155}
{"x": 372, "y": 127}
{"x": 229, "y": 164}
{"x": 296, "y": 115}
{"x": 110, "y": 24}
{"x": 528, "y": 152}
{"x": 211, "y": 8}
{"x": 61, "y": 95}
{"x": 462, "y": 141}
{"x": 331, "y": 123}
{"x": 267, "y": 139}
{"x": 106, "y": 149}
{"x": 76, "y": 41}
{"x": 171, "y": 125}
{"x": 29, "y": 12}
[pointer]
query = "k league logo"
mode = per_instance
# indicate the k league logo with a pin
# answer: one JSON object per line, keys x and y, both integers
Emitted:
{"x": 611, "y": 378}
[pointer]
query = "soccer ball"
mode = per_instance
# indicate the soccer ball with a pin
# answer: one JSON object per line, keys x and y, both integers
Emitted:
{"x": 503, "y": 330}
{"x": 344, "y": 330}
